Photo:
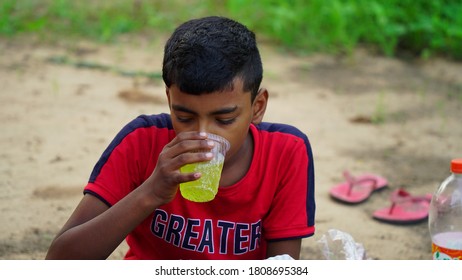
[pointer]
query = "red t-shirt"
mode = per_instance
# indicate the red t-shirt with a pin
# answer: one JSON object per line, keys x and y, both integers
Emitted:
{"x": 273, "y": 201}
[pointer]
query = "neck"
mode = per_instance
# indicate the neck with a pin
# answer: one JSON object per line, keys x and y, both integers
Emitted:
{"x": 237, "y": 166}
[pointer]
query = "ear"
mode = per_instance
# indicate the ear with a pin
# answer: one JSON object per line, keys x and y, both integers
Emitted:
{"x": 259, "y": 106}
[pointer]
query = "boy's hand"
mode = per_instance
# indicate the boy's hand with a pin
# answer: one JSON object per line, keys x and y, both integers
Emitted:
{"x": 166, "y": 177}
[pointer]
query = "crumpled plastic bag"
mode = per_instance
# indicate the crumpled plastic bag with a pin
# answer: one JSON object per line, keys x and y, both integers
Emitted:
{"x": 281, "y": 257}
{"x": 339, "y": 245}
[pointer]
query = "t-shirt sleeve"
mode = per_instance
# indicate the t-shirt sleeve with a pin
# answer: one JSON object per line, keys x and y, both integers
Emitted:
{"x": 124, "y": 164}
{"x": 292, "y": 210}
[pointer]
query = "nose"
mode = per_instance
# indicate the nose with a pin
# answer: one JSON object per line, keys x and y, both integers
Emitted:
{"x": 203, "y": 126}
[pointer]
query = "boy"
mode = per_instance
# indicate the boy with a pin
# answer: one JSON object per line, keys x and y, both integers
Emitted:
{"x": 265, "y": 204}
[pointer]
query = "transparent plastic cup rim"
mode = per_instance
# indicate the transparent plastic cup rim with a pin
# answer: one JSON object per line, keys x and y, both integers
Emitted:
{"x": 217, "y": 138}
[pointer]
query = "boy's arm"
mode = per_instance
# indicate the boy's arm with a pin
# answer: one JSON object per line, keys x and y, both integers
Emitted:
{"x": 290, "y": 247}
{"x": 95, "y": 230}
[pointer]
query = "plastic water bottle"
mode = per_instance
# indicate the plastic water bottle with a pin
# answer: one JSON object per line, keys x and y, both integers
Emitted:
{"x": 445, "y": 216}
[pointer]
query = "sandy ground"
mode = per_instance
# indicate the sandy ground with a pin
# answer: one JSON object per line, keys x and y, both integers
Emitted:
{"x": 56, "y": 119}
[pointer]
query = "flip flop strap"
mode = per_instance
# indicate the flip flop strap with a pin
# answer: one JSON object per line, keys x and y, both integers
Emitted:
{"x": 352, "y": 181}
{"x": 401, "y": 196}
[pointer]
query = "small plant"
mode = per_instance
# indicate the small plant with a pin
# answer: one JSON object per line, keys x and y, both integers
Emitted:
{"x": 379, "y": 115}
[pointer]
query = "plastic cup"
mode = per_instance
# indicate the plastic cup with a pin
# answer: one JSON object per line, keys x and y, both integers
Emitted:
{"x": 206, "y": 187}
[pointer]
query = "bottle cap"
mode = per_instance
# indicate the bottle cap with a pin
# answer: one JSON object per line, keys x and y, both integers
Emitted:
{"x": 456, "y": 165}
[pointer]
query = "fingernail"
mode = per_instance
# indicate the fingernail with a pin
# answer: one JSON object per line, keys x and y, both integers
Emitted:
{"x": 210, "y": 143}
{"x": 204, "y": 134}
{"x": 209, "y": 155}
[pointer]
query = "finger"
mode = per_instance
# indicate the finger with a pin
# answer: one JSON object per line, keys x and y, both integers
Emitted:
{"x": 184, "y": 152}
{"x": 187, "y": 177}
{"x": 188, "y": 135}
{"x": 187, "y": 158}
{"x": 188, "y": 147}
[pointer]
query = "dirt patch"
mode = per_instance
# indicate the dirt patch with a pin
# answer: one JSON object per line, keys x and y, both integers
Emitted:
{"x": 30, "y": 245}
{"x": 55, "y": 192}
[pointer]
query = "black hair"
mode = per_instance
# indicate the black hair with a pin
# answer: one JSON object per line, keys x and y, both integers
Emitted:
{"x": 205, "y": 55}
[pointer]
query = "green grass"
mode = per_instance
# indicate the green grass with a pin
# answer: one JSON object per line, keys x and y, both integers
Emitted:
{"x": 422, "y": 28}
{"x": 418, "y": 27}
{"x": 95, "y": 20}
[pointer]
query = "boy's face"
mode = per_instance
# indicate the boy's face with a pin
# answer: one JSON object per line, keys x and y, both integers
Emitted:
{"x": 228, "y": 113}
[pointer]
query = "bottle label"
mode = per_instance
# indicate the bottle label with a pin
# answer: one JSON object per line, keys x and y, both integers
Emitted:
{"x": 441, "y": 253}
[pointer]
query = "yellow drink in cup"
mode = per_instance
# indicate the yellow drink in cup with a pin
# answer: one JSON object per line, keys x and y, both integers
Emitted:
{"x": 206, "y": 187}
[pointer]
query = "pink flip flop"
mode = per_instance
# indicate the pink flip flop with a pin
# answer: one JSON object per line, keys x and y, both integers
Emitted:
{"x": 405, "y": 208}
{"x": 357, "y": 189}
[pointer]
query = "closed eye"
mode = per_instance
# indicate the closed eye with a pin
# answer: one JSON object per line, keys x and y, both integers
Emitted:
{"x": 226, "y": 121}
{"x": 183, "y": 119}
